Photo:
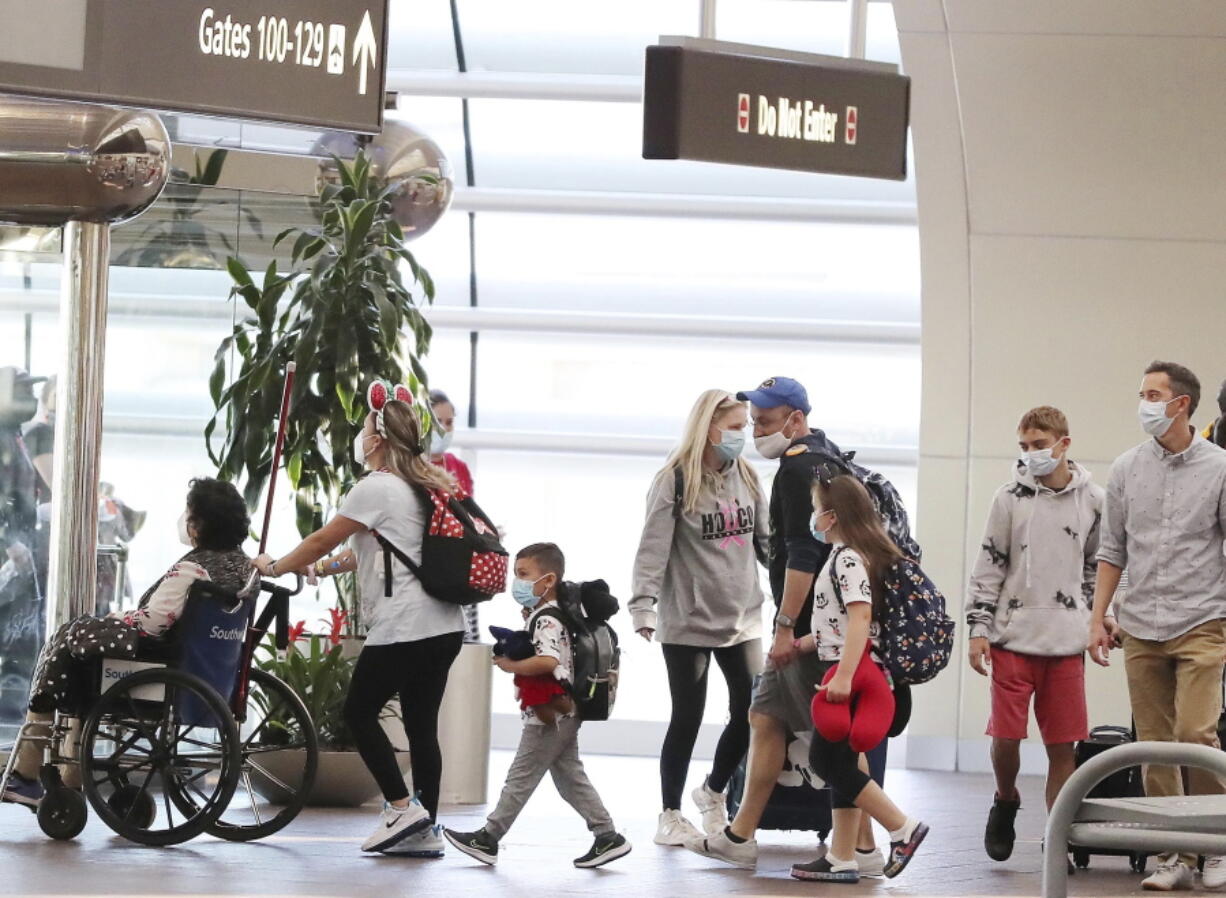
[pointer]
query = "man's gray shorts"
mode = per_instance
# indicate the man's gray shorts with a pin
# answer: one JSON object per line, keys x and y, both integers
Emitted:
{"x": 787, "y": 694}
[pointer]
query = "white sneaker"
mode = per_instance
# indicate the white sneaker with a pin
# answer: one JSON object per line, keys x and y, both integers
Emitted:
{"x": 424, "y": 843}
{"x": 675, "y": 830}
{"x": 721, "y": 848}
{"x": 713, "y": 808}
{"x": 1214, "y": 875}
{"x": 1171, "y": 876}
{"x": 396, "y": 824}
{"x": 872, "y": 863}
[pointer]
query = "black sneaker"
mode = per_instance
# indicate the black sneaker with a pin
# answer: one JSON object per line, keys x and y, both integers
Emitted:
{"x": 820, "y": 870}
{"x": 999, "y": 835}
{"x": 480, "y": 845}
{"x": 605, "y": 849}
{"x": 901, "y": 853}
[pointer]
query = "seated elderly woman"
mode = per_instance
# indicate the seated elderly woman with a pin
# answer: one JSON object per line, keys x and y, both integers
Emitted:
{"x": 214, "y": 525}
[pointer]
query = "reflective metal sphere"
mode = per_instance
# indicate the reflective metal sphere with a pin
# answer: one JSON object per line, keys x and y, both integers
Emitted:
{"x": 62, "y": 162}
{"x": 401, "y": 153}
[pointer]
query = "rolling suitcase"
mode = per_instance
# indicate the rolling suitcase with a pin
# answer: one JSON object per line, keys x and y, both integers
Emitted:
{"x": 800, "y": 801}
{"x": 1122, "y": 784}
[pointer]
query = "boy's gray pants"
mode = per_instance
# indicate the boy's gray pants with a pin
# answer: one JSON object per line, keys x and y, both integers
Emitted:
{"x": 544, "y": 748}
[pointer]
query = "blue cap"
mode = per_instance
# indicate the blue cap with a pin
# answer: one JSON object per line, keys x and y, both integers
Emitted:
{"x": 776, "y": 391}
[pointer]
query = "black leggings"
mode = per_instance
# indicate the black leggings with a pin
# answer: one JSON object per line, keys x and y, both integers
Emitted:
{"x": 417, "y": 673}
{"x": 687, "y": 682}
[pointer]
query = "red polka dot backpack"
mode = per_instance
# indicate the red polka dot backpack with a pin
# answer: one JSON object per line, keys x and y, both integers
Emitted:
{"x": 462, "y": 560}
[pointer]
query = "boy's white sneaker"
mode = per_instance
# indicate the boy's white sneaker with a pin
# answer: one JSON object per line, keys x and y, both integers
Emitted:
{"x": 713, "y": 808}
{"x": 427, "y": 843}
{"x": 721, "y": 848}
{"x": 396, "y": 824}
{"x": 1172, "y": 875}
{"x": 1214, "y": 875}
{"x": 675, "y": 830}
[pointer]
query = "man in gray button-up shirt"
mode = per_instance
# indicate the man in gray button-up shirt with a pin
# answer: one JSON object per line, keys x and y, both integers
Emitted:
{"x": 1165, "y": 521}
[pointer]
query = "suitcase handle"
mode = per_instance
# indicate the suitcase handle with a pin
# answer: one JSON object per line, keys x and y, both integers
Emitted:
{"x": 1112, "y": 731}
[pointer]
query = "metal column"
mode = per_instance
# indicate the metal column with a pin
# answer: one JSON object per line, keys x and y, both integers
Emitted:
{"x": 706, "y": 19}
{"x": 78, "y": 432}
{"x": 857, "y": 29}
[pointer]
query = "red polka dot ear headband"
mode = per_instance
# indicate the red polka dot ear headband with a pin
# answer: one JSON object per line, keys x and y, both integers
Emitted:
{"x": 379, "y": 394}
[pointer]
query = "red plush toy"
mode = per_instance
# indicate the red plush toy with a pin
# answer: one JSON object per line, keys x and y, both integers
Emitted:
{"x": 862, "y": 721}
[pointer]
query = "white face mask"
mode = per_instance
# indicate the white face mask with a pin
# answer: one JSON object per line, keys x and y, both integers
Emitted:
{"x": 184, "y": 536}
{"x": 359, "y": 448}
{"x": 440, "y": 441}
{"x": 773, "y": 445}
{"x": 1152, "y": 416}
{"x": 1041, "y": 462}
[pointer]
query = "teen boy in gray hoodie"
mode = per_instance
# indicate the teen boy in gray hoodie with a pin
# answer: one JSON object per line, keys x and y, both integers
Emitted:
{"x": 1029, "y": 599}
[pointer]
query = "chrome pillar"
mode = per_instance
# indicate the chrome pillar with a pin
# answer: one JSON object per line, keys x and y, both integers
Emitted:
{"x": 78, "y": 433}
{"x": 857, "y": 29}
{"x": 706, "y": 19}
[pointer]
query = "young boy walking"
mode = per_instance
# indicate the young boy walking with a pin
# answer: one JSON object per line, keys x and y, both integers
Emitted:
{"x": 1030, "y": 598}
{"x": 542, "y": 747}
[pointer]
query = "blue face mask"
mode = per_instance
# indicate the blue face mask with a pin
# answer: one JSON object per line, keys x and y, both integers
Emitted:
{"x": 819, "y": 535}
{"x": 521, "y": 591}
{"x": 731, "y": 444}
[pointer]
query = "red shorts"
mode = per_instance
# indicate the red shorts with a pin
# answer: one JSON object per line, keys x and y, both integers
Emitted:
{"x": 1059, "y": 689}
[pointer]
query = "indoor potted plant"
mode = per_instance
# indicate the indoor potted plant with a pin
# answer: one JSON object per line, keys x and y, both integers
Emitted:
{"x": 318, "y": 669}
{"x": 345, "y": 316}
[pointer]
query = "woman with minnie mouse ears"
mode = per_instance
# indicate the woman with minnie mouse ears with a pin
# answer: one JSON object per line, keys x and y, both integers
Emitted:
{"x": 412, "y": 638}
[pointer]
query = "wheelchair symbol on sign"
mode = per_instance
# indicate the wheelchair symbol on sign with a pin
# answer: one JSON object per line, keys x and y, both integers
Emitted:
{"x": 336, "y": 50}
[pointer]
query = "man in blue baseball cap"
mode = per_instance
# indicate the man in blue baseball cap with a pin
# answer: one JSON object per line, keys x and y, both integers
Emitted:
{"x": 780, "y": 410}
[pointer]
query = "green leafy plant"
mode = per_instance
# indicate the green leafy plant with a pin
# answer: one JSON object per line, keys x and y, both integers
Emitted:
{"x": 348, "y": 319}
{"x": 317, "y": 669}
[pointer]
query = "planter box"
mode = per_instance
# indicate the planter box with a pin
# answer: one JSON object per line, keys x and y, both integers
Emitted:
{"x": 342, "y": 780}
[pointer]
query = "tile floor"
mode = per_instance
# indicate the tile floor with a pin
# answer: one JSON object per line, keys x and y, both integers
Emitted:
{"x": 318, "y": 855}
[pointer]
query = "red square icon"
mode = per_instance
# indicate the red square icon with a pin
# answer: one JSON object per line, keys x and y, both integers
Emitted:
{"x": 849, "y": 133}
{"x": 742, "y": 113}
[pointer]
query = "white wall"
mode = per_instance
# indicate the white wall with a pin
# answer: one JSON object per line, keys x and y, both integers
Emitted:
{"x": 1071, "y": 193}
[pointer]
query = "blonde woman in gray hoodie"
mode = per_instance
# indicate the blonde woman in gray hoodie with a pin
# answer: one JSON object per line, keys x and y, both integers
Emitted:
{"x": 697, "y": 592}
{"x": 1029, "y": 600}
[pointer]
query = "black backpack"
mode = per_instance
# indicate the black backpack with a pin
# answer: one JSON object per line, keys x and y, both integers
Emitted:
{"x": 884, "y": 494}
{"x": 584, "y": 610}
{"x": 462, "y": 561}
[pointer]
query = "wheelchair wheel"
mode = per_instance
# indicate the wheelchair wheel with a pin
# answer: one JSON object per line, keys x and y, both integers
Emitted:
{"x": 135, "y": 805}
{"x": 62, "y": 813}
{"x": 153, "y": 735}
{"x": 280, "y": 755}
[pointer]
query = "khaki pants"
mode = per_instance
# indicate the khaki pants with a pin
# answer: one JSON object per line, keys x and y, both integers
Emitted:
{"x": 1175, "y": 688}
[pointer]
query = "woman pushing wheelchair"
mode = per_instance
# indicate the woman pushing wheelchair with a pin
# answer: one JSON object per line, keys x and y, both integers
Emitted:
{"x": 214, "y": 525}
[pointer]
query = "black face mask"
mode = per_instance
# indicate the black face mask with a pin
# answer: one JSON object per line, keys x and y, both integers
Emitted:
{"x": 1221, "y": 400}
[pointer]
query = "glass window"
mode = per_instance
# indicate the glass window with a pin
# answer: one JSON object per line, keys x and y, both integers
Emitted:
{"x": 29, "y": 345}
{"x": 698, "y": 267}
{"x": 644, "y": 386}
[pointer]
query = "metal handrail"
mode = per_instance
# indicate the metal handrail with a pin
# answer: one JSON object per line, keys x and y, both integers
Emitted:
{"x": 1068, "y": 803}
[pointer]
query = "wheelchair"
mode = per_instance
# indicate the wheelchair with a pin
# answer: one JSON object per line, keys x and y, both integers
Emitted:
{"x": 177, "y": 742}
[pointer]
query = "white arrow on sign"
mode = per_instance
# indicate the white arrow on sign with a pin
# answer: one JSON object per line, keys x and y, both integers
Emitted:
{"x": 366, "y": 48}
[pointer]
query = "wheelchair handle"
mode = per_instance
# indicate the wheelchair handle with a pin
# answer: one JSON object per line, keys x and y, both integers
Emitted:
{"x": 271, "y": 587}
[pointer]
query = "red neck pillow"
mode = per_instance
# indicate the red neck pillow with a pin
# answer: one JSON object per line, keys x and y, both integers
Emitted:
{"x": 864, "y": 720}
